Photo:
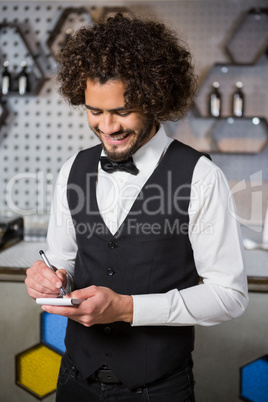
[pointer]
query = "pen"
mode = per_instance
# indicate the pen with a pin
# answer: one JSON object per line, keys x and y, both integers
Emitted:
{"x": 45, "y": 259}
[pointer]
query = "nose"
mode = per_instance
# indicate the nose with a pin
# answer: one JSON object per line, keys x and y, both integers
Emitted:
{"x": 109, "y": 124}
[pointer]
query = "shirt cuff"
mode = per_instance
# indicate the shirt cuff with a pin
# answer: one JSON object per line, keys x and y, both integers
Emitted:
{"x": 151, "y": 309}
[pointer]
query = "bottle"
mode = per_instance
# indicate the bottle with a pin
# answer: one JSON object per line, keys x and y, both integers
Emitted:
{"x": 23, "y": 79}
{"x": 67, "y": 36}
{"x": 6, "y": 79}
{"x": 238, "y": 100}
{"x": 215, "y": 100}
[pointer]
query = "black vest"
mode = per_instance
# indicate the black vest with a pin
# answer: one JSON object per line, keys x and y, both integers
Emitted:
{"x": 150, "y": 253}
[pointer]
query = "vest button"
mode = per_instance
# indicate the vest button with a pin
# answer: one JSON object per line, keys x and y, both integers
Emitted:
{"x": 110, "y": 271}
{"x": 107, "y": 330}
{"x": 111, "y": 244}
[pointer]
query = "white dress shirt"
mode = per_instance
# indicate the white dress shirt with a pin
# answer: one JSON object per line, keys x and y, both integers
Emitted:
{"x": 214, "y": 234}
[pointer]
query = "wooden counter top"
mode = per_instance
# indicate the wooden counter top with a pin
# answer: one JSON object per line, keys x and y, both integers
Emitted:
{"x": 16, "y": 259}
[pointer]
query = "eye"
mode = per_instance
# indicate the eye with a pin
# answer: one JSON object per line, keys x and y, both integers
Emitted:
{"x": 123, "y": 114}
{"x": 95, "y": 113}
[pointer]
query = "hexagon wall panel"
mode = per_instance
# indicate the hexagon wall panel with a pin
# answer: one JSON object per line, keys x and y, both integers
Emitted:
{"x": 68, "y": 22}
{"x": 53, "y": 329}
{"x": 250, "y": 40}
{"x": 16, "y": 53}
{"x": 203, "y": 129}
{"x": 254, "y": 381}
{"x": 253, "y": 78}
{"x": 103, "y": 13}
{"x": 3, "y": 113}
{"x": 37, "y": 370}
{"x": 231, "y": 135}
{"x": 247, "y": 135}
{"x": 228, "y": 134}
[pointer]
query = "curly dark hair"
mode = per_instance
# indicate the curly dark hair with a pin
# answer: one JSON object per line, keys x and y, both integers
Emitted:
{"x": 146, "y": 56}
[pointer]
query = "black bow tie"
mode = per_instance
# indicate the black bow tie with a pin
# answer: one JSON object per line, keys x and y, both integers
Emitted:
{"x": 125, "y": 166}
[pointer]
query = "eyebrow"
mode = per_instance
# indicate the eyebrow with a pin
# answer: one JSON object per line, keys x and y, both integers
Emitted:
{"x": 119, "y": 109}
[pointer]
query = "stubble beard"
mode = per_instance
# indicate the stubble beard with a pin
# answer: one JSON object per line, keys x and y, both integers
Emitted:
{"x": 139, "y": 139}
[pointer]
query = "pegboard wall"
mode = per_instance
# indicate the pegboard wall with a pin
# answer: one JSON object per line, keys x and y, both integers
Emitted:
{"x": 42, "y": 131}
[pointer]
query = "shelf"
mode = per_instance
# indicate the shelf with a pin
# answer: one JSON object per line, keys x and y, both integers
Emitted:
{"x": 241, "y": 135}
{"x": 229, "y": 134}
{"x": 250, "y": 39}
{"x": 103, "y": 13}
{"x": 3, "y": 114}
{"x": 227, "y": 75}
{"x": 73, "y": 18}
{"x": 69, "y": 20}
{"x": 246, "y": 135}
{"x": 11, "y": 32}
{"x": 248, "y": 43}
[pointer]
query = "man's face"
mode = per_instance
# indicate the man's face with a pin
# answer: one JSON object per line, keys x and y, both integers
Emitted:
{"x": 122, "y": 131}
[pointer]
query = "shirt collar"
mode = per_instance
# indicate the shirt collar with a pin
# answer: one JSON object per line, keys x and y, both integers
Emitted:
{"x": 149, "y": 155}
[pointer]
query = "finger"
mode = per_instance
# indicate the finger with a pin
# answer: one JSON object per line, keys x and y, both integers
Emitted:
{"x": 41, "y": 278}
{"x": 85, "y": 293}
{"x": 53, "y": 309}
{"x": 62, "y": 275}
{"x": 49, "y": 275}
{"x": 74, "y": 313}
{"x": 33, "y": 286}
{"x": 59, "y": 310}
{"x": 40, "y": 283}
{"x": 34, "y": 294}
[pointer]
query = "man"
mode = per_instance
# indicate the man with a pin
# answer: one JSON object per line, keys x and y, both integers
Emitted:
{"x": 152, "y": 247}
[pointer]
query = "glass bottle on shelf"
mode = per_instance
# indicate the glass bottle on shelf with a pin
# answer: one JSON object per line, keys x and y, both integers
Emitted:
{"x": 67, "y": 35}
{"x": 238, "y": 100}
{"x": 215, "y": 100}
{"x": 6, "y": 79}
{"x": 23, "y": 79}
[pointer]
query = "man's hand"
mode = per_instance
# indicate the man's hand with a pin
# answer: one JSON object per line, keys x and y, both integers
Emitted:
{"x": 41, "y": 281}
{"x": 102, "y": 306}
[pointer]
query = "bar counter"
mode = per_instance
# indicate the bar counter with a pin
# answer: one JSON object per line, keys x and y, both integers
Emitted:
{"x": 16, "y": 259}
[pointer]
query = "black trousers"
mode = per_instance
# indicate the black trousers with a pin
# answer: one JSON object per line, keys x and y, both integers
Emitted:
{"x": 178, "y": 387}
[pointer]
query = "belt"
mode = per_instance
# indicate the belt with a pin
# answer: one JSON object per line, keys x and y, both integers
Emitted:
{"x": 104, "y": 375}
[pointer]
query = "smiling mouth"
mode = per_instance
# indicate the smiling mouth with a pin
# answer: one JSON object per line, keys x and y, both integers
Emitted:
{"x": 118, "y": 138}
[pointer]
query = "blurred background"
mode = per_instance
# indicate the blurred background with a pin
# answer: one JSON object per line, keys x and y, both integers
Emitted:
{"x": 39, "y": 131}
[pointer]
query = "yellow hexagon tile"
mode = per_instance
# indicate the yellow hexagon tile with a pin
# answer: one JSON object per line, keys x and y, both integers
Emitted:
{"x": 37, "y": 370}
